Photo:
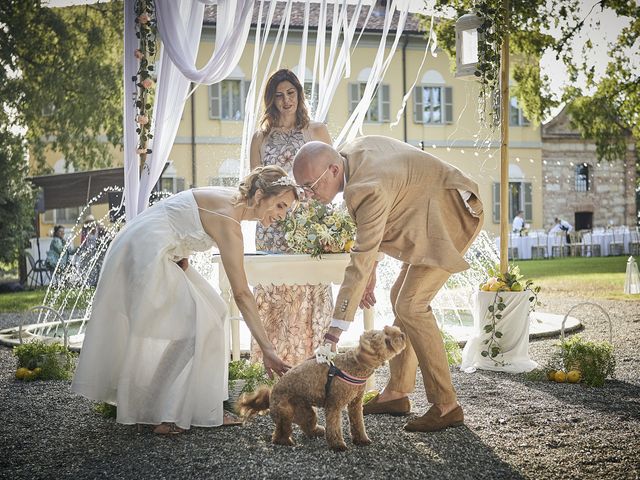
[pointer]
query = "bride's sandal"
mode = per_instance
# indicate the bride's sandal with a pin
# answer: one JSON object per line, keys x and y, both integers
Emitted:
{"x": 168, "y": 429}
{"x": 230, "y": 420}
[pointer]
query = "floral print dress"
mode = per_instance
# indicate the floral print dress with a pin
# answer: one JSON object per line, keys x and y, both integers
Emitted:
{"x": 294, "y": 316}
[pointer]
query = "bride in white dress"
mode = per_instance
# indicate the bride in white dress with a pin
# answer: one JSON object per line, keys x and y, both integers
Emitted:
{"x": 157, "y": 342}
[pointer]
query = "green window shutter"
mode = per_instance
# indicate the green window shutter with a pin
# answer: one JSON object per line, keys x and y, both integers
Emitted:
{"x": 354, "y": 96}
{"x": 418, "y": 106}
{"x": 246, "y": 84}
{"x": 448, "y": 105}
{"x": 214, "y": 101}
{"x": 528, "y": 202}
{"x": 496, "y": 202}
{"x": 386, "y": 104}
{"x": 180, "y": 184}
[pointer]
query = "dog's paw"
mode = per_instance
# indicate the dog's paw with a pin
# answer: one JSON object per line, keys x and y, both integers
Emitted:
{"x": 286, "y": 441}
{"x": 362, "y": 442}
{"x": 318, "y": 431}
{"x": 338, "y": 447}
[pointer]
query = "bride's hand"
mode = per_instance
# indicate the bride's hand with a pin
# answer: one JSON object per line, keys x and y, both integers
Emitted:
{"x": 273, "y": 363}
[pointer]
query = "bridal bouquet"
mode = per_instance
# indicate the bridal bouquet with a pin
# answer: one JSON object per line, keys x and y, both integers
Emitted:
{"x": 314, "y": 228}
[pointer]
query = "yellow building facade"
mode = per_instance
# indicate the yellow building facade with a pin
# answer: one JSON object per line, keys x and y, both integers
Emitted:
{"x": 441, "y": 116}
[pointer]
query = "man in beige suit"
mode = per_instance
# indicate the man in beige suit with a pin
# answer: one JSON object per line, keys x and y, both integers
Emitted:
{"x": 414, "y": 207}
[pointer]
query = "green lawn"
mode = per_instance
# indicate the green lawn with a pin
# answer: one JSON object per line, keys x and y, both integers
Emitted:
{"x": 21, "y": 301}
{"x": 598, "y": 277}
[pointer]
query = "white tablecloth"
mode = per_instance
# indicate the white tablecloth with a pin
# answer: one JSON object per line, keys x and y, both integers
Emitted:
{"x": 605, "y": 238}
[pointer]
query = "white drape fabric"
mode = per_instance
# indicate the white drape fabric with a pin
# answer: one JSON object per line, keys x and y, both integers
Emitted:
{"x": 180, "y": 26}
{"x": 514, "y": 342}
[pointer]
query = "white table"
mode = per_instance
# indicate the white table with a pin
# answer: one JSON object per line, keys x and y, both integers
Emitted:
{"x": 284, "y": 270}
{"x": 524, "y": 244}
{"x": 606, "y": 237}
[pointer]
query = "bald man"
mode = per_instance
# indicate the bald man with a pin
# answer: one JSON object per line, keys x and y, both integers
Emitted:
{"x": 426, "y": 213}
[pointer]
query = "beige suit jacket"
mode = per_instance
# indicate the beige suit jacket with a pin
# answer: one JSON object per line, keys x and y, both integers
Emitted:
{"x": 394, "y": 193}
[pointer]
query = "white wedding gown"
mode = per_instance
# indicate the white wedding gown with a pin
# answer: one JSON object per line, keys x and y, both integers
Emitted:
{"x": 156, "y": 344}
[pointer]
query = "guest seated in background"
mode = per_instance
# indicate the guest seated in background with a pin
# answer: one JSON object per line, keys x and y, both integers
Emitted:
{"x": 57, "y": 250}
{"x": 561, "y": 226}
{"x": 518, "y": 222}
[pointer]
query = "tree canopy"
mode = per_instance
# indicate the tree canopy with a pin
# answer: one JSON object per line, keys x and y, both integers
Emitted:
{"x": 61, "y": 78}
{"x": 607, "y": 109}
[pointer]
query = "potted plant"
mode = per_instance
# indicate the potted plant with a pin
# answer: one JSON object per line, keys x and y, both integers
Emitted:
{"x": 38, "y": 360}
{"x": 501, "y": 323}
{"x": 245, "y": 377}
{"x": 582, "y": 360}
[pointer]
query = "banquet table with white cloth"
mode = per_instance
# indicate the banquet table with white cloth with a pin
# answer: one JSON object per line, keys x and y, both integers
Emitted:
{"x": 523, "y": 245}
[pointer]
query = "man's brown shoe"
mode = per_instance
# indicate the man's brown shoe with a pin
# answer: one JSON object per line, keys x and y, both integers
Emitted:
{"x": 398, "y": 407}
{"x": 433, "y": 422}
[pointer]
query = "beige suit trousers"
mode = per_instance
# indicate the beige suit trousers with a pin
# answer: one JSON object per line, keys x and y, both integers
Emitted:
{"x": 411, "y": 296}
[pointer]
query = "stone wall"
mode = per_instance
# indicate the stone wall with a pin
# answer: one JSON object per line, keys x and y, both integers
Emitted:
{"x": 611, "y": 194}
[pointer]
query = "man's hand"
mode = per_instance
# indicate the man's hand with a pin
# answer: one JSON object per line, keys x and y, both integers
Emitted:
{"x": 183, "y": 263}
{"x": 369, "y": 297}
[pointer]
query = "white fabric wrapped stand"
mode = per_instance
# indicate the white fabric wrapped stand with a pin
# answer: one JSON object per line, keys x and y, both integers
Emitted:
{"x": 514, "y": 343}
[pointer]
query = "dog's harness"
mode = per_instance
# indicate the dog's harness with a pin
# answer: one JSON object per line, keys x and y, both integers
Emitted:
{"x": 345, "y": 377}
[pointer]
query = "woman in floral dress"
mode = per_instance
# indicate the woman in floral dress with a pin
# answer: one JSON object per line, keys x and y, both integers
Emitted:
{"x": 294, "y": 316}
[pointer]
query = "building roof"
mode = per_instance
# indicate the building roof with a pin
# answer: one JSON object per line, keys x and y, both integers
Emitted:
{"x": 375, "y": 23}
{"x": 67, "y": 190}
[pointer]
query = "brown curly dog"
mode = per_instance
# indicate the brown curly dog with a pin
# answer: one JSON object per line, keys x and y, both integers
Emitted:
{"x": 308, "y": 385}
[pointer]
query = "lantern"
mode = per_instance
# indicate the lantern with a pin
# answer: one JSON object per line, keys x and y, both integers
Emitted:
{"x": 467, "y": 39}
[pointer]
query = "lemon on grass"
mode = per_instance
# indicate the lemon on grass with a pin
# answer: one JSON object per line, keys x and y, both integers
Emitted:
{"x": 22, "y": 373}
{"x": 37, "y": 371}
{"x": 560, "y": 376}
{"x": 574, "y": 376}
{"x": 551, "y": 375}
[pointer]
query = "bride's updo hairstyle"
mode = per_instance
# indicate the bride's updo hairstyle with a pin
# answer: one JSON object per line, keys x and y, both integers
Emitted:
{"x": 271, "y": 179}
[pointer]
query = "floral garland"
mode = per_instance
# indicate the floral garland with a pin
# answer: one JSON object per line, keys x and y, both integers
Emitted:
{"x": 146, "y": 31}
{"x": 316, "y": 229}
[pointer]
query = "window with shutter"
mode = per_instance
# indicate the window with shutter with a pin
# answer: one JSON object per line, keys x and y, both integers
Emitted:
{"x": 528, "y": 202}
{"x": 385, "y": 103}
{"x": 214, "y": 101}
{"x": 354, "y": 96}
{"x": 448, "y": 105}
{"x": 418, "y": 107}
{"x": 496, "y": 202}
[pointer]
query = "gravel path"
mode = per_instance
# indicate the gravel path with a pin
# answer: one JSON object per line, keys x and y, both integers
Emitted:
{"x": 515, "y": 428}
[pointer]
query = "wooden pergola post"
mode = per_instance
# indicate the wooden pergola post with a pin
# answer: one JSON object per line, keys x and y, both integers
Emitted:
{"x": 504, "y": 144}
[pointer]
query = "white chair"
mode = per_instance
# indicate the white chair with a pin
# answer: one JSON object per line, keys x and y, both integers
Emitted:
{"x": 634, "y": 242}
{"x": 616, "y": 246}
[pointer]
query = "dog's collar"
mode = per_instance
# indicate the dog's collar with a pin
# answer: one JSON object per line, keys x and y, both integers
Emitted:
{"x": 345, "y": 377}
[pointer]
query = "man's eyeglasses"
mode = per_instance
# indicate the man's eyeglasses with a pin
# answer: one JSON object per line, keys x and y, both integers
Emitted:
{"x": 311, "y": 187}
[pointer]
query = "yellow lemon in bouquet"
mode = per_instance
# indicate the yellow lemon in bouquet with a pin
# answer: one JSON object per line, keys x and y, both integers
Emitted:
{"x": 560, "y": 376}
{"x": 516, "y": 287}
{"x": 348, "y": 246}
{"x": 574, "y": 376}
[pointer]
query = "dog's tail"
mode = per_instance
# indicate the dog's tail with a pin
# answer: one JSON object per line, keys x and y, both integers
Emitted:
{"x": 253, "y": 403}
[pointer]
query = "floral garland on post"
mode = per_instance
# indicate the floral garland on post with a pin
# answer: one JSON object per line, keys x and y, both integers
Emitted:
{"x": 146, "y": 31}
{"x": 491, "y": 36}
